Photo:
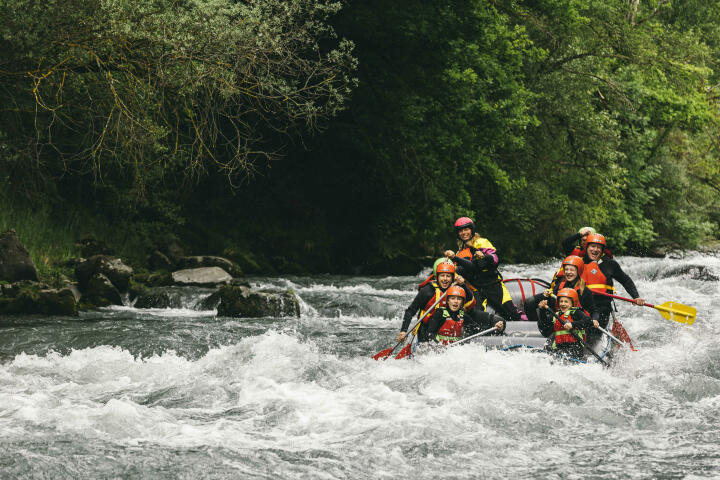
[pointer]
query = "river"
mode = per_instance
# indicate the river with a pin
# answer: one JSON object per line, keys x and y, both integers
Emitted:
{"x": 182, "y": 393}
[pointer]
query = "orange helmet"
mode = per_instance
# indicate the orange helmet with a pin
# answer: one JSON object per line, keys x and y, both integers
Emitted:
{"x": 571, "y": 294}
{"x": 576, "y": 261}
{"x": 456, "y": 291}
{"x": 596, "y": 238}
{"x": 445, "y": 267}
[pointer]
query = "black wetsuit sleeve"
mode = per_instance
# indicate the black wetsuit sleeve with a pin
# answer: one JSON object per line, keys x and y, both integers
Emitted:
{"x": 622, "y": 277}
{"x": 580, "y": 320}
{"x": 433, "y": 326}
{"x": 467, "y": 268}
{"x": 569, "y": 244}
{"x": 420, "y": 300}
{"x": 545, "y": 322}
{"x": 588, "y": 304}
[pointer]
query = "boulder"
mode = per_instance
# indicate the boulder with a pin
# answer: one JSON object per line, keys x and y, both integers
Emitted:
{"x": 29, "y": 298}
{"x": 160, "y": 261}
{"x": 15, "y": 261}
{"x": 153, "y": 300}
{"x": 210, "y": 261}
{"x": 239, "y": 301}
{"x": 100, "y": 292}
{"x": 112, "y": 268}
{"x": 206, "y": 276}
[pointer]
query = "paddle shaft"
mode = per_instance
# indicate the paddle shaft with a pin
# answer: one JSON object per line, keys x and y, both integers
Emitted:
{"x": 412, "y": 329}
{"x": 579, "y": 339}
{"x": 612, "y": 337}
{"x": 599, "y": 292}
{"x": 484, "y": 332}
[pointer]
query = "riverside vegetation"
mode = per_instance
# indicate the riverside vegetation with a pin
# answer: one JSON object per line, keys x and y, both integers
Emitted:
{"x": 312, "y": 135}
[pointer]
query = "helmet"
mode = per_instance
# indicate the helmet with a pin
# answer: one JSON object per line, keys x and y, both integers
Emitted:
{"x": 445, "y": 267}
{"x": 438, "y": 262}
{"x": 596, "y": 238}
{"x": 591, "y": 229}
{"x": 575, "y": 260}
{"x": 464, "y": 222}
{"x": 456, "y": 291}
{"x": 570, "y": 293}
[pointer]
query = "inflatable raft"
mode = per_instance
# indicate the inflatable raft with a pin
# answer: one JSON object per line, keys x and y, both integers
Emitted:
{"x": 524, "y": 335}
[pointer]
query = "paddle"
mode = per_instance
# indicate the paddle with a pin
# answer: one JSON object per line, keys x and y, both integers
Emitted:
{"x": 676, "y": 312}
{"x": 388, "y": 351}
{"x": 612, "y": 337}
{"x": 579, "y": 339}
{"x": 484, "y": 332}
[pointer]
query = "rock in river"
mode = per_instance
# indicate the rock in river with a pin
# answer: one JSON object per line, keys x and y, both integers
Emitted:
{"x": 206, "y": 276}
{"x": 15, "y": 261}
{"x": 241, "y": 301}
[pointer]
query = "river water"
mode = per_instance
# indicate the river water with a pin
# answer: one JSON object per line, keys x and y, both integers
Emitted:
{"x": 182, "y": 393}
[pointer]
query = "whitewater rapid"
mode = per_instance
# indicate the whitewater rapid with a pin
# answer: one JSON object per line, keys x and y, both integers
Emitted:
{"x": 182, "y": 393}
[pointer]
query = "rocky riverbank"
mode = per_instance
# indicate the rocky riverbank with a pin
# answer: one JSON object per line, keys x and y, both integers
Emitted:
{"x": 101, "y": 280}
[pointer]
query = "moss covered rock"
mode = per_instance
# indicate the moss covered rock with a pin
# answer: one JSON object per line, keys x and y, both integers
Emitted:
{"x": 31, "y": 298}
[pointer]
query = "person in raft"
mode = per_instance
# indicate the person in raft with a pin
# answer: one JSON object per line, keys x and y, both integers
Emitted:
{"x": 449, "y": 323}
{"x": 575, "y": 244}
{"x": 477, "y": 261}
{"x": 429, "y": 293}
{"x": 598, "y": 275}
{"x": 560, "y": 337}
{"x": 573, "y": 268}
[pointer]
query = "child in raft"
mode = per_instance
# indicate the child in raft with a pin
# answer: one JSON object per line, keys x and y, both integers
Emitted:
{"x": 572, "y": 321}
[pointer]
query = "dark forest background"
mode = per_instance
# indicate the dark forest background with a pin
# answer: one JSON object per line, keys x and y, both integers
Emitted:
{"x": 318, "y": 136}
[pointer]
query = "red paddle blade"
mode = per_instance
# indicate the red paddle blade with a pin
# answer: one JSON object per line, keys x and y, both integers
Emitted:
{"x": 406, "y": 351}
{"x": 383, "y": 354}
{"x": 619, "y": 331}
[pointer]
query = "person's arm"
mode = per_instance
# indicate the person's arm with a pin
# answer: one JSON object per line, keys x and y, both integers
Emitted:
{"x": 617, "y": 273}
{"x": 569, "y": 244}
{"x": 489, "y": 259}
{"x": 580, "y": 320}
{"x": 588, "y": 304}
{"x": 420, "y": 300}
{"x": 433, "y": 327}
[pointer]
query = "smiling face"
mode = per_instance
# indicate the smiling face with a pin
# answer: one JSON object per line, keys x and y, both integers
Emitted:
{"x": 444, "y": 280}
{"x": 465, "y": 234}
{"x": 594, "y": 250}
{"x": 454, "y": 303}
{"x": 570, "y": 272}
{"x": 564, "y": 303}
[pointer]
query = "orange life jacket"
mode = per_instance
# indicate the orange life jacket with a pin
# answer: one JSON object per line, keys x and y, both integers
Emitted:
{"x": 595, "y": 279}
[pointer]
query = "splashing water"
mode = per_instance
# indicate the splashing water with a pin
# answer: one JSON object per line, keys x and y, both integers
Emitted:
{"x": 180, "y": 393}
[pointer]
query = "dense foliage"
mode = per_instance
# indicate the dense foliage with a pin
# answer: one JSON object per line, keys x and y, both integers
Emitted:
{"x": 201, "y": 118}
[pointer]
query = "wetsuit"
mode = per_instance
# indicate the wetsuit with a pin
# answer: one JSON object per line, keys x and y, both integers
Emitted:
{"x": 483, "y": 275}
{"x": 426, "y": 294}
{"x": 610, "y": 270}
{"x": 587, "y": 303}
{"x": 563, "y": 341}
{"x": 571, "y": 245}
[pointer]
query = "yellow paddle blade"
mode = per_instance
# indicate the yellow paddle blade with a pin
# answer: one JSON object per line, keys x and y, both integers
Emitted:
{"x": 677, "y": 312}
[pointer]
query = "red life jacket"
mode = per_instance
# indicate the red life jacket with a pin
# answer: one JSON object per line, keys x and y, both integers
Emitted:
{"x": 562, "y": 335}
{"x": 595, "y": 279}
{"x": 450, "y": 331}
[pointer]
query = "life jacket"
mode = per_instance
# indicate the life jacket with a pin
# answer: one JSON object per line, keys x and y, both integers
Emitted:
{"x": 595, "y": 279}
{"x": 438, "y": 293}
{"x": 467, "y": 253}
{"x": 563, "y": 336}
{"x": 451, "y": 330}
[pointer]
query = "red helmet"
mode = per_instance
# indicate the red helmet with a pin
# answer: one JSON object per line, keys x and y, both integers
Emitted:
{"x": 464, "y": 222}
{"x": 456, "y": 291}
{"x": 445, "y": 267}
{"x": 576, "y": 261}
{"x": 570, "y": 293}
{"x": 596, "y": 238}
